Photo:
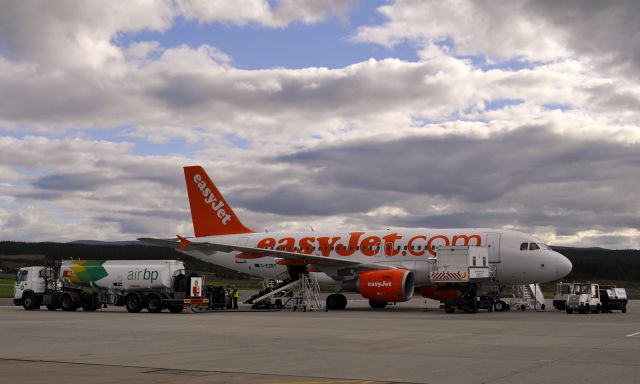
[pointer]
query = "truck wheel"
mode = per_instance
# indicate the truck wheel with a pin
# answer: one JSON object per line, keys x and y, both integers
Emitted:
{"x": 154, "y": 303}
{"x": 598, "y": 309}
{"x": 52, "y": 307}
{"x": 175, "y": 308}
{"x": 523, "y": 307}
{"x": 587, "y": 308}
{"x": 500, "y": 306}
{"x": 624, "y": 309}
{"x": 133, "y": 303}
{"x": 29, "y": 301}
{"x": 67, "y": 303}
{"x": 542, "y": 307}
{"x": 569, "y": 310}
{"x": 88, "y": 306}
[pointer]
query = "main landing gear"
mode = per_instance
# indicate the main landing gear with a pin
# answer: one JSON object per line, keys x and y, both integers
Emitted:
{"x": 336, "y": 301}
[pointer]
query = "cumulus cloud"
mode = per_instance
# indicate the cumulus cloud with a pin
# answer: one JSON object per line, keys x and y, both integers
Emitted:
{"x": 604, "y": 33}
{"x": 447, "y": 140}
{"x": 262, "y": 12}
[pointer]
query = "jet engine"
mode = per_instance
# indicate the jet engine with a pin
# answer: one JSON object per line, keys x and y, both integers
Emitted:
{"x": 389, "y": 285}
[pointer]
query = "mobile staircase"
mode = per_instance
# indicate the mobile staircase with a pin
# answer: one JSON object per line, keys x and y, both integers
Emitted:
{"x": 303, "y": 293}
{"x": 527, "y": 296}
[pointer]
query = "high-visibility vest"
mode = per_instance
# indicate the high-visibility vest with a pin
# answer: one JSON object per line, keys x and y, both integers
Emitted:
{"x": 236, "y": 294}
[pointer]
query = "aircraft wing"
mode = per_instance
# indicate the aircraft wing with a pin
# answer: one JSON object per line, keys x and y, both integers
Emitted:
{"x": 184, "y": 244}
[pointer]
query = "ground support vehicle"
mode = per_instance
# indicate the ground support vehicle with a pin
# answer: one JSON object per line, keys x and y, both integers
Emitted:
{"x": 584, "y": 299}
{"x": 613, "y": 298}
{"x": 153, "y": 285}
{"x": 465, "y": 269}
{"x": 563, "y": 290}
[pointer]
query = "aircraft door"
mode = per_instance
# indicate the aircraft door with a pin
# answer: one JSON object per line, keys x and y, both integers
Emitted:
{"x": 241, "y": 241}
{"x": 493, "y": 243}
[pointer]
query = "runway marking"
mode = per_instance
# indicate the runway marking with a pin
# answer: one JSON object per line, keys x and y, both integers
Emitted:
{"x": 634, "y": 334}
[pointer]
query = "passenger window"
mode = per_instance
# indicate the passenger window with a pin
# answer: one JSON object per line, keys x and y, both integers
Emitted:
{"x": 524, "y": 246}
{"x": 533, "y": 246}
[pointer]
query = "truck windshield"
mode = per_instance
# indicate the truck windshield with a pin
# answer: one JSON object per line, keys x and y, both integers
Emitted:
{"x": 21, "y": 276}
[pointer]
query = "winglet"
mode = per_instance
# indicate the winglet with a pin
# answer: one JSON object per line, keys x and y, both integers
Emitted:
{"x": 184, "y": 242}
{"x": 210, "y": 212}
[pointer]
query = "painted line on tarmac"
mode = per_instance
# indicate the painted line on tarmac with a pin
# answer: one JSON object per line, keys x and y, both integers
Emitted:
{"x": 634, "y": 334}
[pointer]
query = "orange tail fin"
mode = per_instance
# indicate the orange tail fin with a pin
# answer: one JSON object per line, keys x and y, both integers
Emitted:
{"x": 210, "y": 212}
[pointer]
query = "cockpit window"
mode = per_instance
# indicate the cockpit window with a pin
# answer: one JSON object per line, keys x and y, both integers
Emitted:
{"x": 544, "y": 246}
{"x": 533, "y": 246}
{"x": 524, "y": 246}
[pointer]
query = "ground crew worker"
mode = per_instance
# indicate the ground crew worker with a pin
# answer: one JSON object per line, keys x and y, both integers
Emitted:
{"x": 227, "y": 297}
{"x": 236, "y": 294}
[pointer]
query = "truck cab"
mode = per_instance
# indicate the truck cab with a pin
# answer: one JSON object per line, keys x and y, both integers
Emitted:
{"x": 29, "y": 287}
{"x": 584, "y": 299}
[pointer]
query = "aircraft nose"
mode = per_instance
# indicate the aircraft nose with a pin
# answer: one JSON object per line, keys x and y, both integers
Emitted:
{"x": 563, "y": 266}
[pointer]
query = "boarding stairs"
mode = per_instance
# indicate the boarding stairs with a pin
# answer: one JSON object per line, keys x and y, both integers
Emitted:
{"x": 527, "y": 296}
{"x": 272, "y": 289}
{"x": 303, "y": 293}
{"x": 307, "y": 296}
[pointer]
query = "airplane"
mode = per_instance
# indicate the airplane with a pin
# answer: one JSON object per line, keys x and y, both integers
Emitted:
{"x": 382, "y": 265}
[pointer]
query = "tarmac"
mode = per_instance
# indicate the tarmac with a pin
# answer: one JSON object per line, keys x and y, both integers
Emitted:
{"x": 399, "y": 344}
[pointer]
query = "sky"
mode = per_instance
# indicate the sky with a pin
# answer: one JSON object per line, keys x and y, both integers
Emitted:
{"x": 324, "y": 114}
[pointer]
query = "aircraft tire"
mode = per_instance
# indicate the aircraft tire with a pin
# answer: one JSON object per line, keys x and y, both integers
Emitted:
{"x": 343, "y": 301}
{"x": 377, "y": 304}
{"x": 336, "y": 301}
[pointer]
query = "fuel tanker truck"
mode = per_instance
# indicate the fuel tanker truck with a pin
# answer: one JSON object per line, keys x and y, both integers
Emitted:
{"x": 92, "y": 284}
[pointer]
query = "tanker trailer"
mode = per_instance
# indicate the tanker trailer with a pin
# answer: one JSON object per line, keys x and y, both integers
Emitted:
{"x": 92, "y": 284}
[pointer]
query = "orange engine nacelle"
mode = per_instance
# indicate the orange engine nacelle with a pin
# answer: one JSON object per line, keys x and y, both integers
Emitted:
{"x": 391, "y": 285}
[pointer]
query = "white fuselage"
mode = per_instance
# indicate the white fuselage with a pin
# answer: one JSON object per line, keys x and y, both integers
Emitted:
{"x": 412, "y": 249}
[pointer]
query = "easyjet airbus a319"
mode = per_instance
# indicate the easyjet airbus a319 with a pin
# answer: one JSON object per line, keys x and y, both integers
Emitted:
{"x": 384, "y": 266}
